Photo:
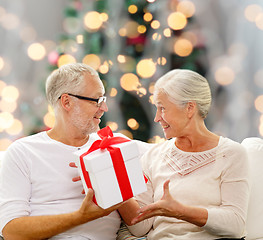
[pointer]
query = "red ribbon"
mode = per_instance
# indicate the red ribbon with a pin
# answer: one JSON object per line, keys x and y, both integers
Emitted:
{"x": 106, "y": 141}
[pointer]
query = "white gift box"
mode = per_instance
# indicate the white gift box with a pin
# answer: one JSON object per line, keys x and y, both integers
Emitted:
{"x": 108, "y": 180}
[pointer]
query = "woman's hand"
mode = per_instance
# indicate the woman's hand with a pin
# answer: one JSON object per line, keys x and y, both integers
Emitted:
{"x": 75, "y": 179}
{"x": 169, "y": 207}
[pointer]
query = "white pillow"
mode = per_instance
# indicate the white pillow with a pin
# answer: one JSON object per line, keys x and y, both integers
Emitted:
{"x": 254, "y": 225}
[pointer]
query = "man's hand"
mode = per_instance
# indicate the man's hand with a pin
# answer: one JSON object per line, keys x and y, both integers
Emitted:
{"x": 88, "y": 208}
{"x": 90, "y": 211}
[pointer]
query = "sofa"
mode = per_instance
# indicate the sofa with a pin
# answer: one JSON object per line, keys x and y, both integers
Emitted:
{"x": 254, "y": 224}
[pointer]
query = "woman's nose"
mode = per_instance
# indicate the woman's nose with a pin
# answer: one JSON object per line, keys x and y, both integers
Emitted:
{"x": 157, "y": 116}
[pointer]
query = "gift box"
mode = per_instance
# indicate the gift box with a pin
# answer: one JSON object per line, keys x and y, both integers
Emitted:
{"x": 111, "y": 167}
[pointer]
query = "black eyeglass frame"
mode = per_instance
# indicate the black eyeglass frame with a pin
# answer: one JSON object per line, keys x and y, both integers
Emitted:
{"x": 97, "y": 100}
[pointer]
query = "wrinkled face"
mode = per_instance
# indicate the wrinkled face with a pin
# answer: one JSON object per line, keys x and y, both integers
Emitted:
{"x": 172, "y": 118}
{"x": 85, "y": 114}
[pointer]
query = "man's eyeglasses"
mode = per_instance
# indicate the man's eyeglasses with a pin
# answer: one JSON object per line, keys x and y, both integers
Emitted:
{"x": 97, "y": 100}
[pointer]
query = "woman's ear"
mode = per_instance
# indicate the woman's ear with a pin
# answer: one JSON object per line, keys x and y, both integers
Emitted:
{"x": 191, "y": 109}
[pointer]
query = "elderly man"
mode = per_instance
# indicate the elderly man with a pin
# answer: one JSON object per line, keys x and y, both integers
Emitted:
{"x": 38, "y": 199}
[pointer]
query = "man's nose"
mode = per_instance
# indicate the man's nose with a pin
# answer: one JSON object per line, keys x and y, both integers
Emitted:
{"x": 104, "y": 107}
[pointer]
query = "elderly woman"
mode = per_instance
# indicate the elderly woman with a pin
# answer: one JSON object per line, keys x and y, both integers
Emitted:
{"x": 197, "y": 180}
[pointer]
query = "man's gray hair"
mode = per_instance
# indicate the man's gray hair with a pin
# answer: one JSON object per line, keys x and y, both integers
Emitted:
{"x": 183, "y": 86}
{"x": 67, "y": 79}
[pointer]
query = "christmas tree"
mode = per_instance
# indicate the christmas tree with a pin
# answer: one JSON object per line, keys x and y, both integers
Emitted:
{"x": 131, "y": 44}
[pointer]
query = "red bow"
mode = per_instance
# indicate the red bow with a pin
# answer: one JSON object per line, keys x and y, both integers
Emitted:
{"x": 106, "y": 141}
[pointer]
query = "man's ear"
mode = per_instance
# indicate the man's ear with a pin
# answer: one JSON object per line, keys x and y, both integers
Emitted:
{"x": 191, "y": 108}
{"x": 65, "y": 101}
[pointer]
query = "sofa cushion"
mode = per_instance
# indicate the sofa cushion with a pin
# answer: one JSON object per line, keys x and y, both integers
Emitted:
{"x": 254, "y": 148}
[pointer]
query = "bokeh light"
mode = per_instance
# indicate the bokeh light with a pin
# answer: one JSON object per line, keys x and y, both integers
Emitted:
{"x": 2, "y": 86}
{"x": 104, "y": 17}
{"x": 167, "y": 32}
{"x": 156, "y": 37}
{"x": 92, "y": 21}
{"x": 53, "y": 58}
{"x": 259, "y": 21}
{"x": 126, "y": 133}
{"x": 252, "y": 11}
{"x": 28, "y": 34}
{"x": 132, "y": 9}
{"x": 10, "y": 21}
{"x": 1, "y": 63}
{"x": 10, "y": 93}
{"x": 49, "y": 120}
{"x": 224, "y": 75}
{"x": 113, "y": 125}
{"x": 177, "y": 21}
{"x": 79, "y": 38}
{"x": 161, "y": 61}
{"x": 146, "y": 68}
{"x": 36, "y": 51}
{"x": 65, "y": 59}
{"x": 141, "y": 29}
{"x": 129, "y": 82}
{"x": 8, "y": 106}
{"x": 187, "y": 8}
{"x": 113, "y": 92}
{"x": 259, "y": 103}
{"x": 183, "y": 47}
{"x": 133, "y": 124}
{"x": 4, "y": 144}
{"x": 92, "y": 60}
{"x": 15, "y": 128}
{"x": 155, "y": 24}
{"x": 132, "y": 29}
{"x": 6, "y": 120}
{"x": 147, "y": 17}
{"x": 141, "y": 91}
{"x": 104, "y": 68}
{"x": 156, "y": 139}
{"x": 258, "y": 78}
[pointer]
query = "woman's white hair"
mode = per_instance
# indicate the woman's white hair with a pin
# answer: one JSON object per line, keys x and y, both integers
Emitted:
{"x": 183, "y": 86}
{"x": 67, "y": 79}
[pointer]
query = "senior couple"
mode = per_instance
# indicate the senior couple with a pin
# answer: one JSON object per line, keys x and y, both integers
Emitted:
{"x": 197, "y": 184}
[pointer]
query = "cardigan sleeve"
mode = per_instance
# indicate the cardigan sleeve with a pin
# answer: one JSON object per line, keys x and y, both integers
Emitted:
{"x": 228, "y": 219}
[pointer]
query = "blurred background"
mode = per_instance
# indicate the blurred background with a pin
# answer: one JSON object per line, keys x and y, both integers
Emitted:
{"x": 131, "y": 43}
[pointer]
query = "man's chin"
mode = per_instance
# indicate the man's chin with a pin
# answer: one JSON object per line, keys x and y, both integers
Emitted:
{"x": 92, "y": 129}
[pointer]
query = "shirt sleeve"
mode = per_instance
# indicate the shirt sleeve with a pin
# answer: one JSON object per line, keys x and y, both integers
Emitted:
{"x": 228, "y": 219}
{"x": 14, "y": 186}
